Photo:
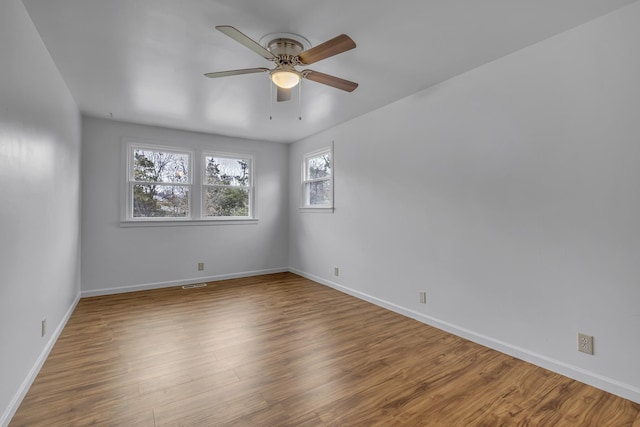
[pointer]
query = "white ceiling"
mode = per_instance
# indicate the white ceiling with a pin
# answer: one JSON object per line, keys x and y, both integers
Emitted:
{"x": 143, "y": 60}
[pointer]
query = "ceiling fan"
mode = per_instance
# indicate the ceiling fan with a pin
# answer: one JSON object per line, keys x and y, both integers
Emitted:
{"x": 286, "y": 51}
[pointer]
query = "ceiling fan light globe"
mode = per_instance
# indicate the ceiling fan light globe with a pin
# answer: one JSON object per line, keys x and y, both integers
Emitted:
{"x": 286, "y": 79}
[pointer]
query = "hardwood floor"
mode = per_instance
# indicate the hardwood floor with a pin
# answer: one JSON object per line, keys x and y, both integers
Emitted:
{"x": 280, "y": 350}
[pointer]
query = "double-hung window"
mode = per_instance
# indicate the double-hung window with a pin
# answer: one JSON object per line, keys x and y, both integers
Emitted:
{"x": 227, "y": 186}
{"x": 167, "y": 185}
{"x": 159, "y": 181}
{"x": 317, "y": 179}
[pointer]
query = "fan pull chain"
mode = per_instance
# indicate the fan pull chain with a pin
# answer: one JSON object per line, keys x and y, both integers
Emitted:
{"x": 300, "y": 100}
{"x": 270, "y": 101}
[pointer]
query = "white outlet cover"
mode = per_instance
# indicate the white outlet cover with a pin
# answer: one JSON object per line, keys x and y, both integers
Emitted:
{"x": 585, "y": 343}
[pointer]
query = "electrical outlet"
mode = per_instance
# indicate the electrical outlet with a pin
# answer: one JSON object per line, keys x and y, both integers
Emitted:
{"x": 43, "y": 327}
{"x": 336, "y": 271}
{"x": 201, "y": 266}
{"x": 585, "y": 343}
{"x": 423, "y": 297}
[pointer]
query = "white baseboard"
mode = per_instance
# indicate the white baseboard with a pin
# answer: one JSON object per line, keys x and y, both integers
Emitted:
{"x": 157, "y": 285}
{"x": 33, "y": 373}
{"x": 610, "y": 385}
{"x": 607, "y": 384}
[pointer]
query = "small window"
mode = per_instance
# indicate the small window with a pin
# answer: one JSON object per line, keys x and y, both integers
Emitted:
{"x": 317, "y": 180}
{"x": 227, "y": 186}
{"x": 159, "y": 183}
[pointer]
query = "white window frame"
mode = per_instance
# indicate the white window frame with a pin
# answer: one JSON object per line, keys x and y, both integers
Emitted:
{"x": 250, "y": 187}
{"x": 131, "y": 182}
{"x": 196, "y": 191}
{"x": 306, "y": 181}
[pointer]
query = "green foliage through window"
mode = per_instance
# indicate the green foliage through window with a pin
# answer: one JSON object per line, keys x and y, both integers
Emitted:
{"x": 227, "y": 187}
{"x": 160, "y": 182}
{"x": 163, "y": 184}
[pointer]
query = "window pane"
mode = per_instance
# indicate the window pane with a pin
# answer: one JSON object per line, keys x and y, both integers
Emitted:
{"x": 319, "y": 166}
{"x": 220, "y": 201}
{"x": 226, "y": 171}
{"x": 160, "y": 166}
{"x": 156, "y": 201}
{"x": 319, "y": 193}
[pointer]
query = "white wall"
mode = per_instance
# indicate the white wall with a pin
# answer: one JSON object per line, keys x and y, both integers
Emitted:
{"x": 509, "y": 194}
{"x": 40, "y": 198}
{"x": 119, "y": 259}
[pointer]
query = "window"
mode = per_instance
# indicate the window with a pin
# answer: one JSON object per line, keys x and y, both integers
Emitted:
{"x": 159, "y": 183}
{"x": 166, "y": 186}
{"x": 228, "y": 190}
{"x": 317, "y": 180}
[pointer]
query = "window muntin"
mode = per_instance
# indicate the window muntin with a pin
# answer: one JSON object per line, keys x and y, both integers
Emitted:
{"x": 317, "y": 179}
{"x": 159, "y": 183}
{"x": 227, "y": 186}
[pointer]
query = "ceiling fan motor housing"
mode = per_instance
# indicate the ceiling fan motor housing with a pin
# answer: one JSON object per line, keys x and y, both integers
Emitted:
{"x": 286, "y": 51}
{"x": 282, "y": 46}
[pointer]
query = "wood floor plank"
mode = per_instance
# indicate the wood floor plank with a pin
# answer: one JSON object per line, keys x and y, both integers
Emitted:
{"x": 280, "y": 350}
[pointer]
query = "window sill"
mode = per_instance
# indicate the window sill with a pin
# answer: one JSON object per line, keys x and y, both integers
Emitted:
{"x": 187, "y": 222}
{"x": 316, "y": 210}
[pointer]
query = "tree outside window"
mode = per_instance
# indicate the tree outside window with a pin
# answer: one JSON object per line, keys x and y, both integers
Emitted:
{"x": 160, "y": 183}
{"x": 165, "y": 184}
{"x": 227, "y": 186}
{"x": 317, "y": 179}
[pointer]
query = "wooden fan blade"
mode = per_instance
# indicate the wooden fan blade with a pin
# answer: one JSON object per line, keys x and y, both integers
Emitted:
{"x": 283, "y": 94}
{"x": 236, "y": 72}
{"x": 332, "y": 47}
{"x": 329, "y": 80}
{"x": 246, "y": 41}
